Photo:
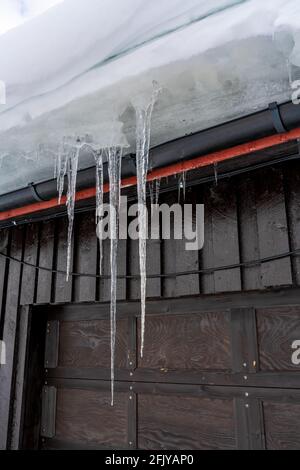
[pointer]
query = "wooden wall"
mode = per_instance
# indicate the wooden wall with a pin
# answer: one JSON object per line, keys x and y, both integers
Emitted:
{"x": 247, "y": 217}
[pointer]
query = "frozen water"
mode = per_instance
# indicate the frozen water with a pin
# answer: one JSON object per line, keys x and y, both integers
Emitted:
{"x": 216, "y": 172}
{"x": 157, "y": 188}
{"x": 143, "y": 111}
{"x": 114, "y": 171}
{"x": 221, "y": 67}
{"x": 99, "y": 202}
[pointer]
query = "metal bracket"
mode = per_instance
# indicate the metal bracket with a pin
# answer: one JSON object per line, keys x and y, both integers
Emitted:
{"x": 48, "y": 412}
{"x": 34, "y": 193}
{"x": 276, "y": 118}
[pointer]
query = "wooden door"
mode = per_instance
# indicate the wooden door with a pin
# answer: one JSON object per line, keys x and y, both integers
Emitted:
{"x": 217, "y": 373}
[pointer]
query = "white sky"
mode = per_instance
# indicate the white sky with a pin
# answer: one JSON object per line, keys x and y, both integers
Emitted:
{"x": 15, "y": 12}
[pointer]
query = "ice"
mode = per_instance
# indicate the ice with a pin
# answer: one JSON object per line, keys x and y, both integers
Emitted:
{"x": 143, "y": 108}
{"x": 99, "y": 202}
{"x": 181, "y": 185}
{"x": 114, "y": 171}
{"x": 216, "y": 173}
{"x": 213, "y": 65}
{"x": 157, "y": 188}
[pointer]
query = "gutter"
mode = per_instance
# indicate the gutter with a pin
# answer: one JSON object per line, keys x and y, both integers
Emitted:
{"x": 274, "y": 126}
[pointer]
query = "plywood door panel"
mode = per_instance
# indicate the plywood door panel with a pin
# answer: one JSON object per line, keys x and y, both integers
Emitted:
{"x": 86, "y": 416}
{"x": 188, "y": 342}
{"x": 185, "y": 423}
{"x": 277, "y": 329}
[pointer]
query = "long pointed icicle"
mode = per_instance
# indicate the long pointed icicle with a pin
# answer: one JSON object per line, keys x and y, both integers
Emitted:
{"x": 143, "y": 128}
{"x": 67, "y": 165}
{"x": 99, "y": 202}
{"x": 114, "y": 172}
{"x": 72, "y": 167}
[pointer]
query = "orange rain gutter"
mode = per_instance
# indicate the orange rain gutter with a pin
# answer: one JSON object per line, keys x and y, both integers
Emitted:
{"x": 174, "y": 169}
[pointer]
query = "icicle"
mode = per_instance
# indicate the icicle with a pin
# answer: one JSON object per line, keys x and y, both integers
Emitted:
{"x": 157, "y": 188}
{"x": 67, "y": 164}
{"x": 143, "y": 123}
{"x": 99, "y": 202}
{"x": 72, "y": 167}
{"x": 114, "y": 171}
{"x": 181, "y": 185}
{"x": 61, "y": 169}
{"x": 216, "y": 172}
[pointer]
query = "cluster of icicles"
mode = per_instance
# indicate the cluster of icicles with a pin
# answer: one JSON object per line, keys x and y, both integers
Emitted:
{"x": 67, "y": 166}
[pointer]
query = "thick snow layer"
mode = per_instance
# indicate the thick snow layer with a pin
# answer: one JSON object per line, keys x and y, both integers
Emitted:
{"x": 80, "y": 65}
{"x": 16, "y": 12}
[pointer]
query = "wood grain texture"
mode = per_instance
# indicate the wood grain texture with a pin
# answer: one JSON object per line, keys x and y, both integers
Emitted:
{"x": 46, "y": 255}
{"x": 85, "y": 253}
{"x": 85, "y": 416}
{"x": 177, "y": 423}
{"x": 282, "y": 426}
{"x": 223, "y": 231}
{"x": 249, "y": 243}
{"x": 272, "y": 227}
{"x": 188, "y": 342}
{"x": 30, "y": 256}
{"x": 292, "y": 193}
{"x": 277, "y": 329}
{"x": 63, "y": 289}
{"x": 177, "y": 259}
{"x": 87, "y": 344}
{"x": 9, "y": 334}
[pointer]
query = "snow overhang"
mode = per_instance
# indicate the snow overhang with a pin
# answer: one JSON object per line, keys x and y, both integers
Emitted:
{"x": 78, "y": 67}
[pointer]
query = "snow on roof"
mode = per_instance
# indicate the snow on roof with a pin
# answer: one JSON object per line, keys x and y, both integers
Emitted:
{"x": 78, "y": 66}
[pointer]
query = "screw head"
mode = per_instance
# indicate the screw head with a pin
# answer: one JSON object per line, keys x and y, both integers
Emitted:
{"x": 130, "y": 373}
{"x": 130, "y": 397}
{"x": 245, "y": 377}
{"x": 247, "y": 405}
{"x": 246, "y": 394}
{"x": 245, "y": 364}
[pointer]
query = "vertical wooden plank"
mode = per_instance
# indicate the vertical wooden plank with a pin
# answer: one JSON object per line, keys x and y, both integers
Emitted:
{"x": 207, "y": 253}
{"x": 19, "y": 390}
{"x": 46, "y": 254}
{"x": 241, "y": 424}
{"x": 272, "y": 227}
{"x": 225, "y": 237}
{"x": 85, "y": 257}
{"x": 153, "y": 262}
{"x": 63, "y": 289}
{"x": 248, "y": 230}
{"x": 256, "y": 423}
{"x": 122, "y": 270}
{"x": 9, "y": 333}
{"x": 134, "y": 269}
{"x": 30, "y": 256}
{"x": 292, "y": 188}
{"x": 132, "y": 419}
{"x": 244, "y": 341}
{"x": 177, "y": 259}
{"x": 4, "y": 243}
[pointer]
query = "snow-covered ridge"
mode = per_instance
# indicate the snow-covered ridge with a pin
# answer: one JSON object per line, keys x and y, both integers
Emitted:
{"x": 78, "y": 66}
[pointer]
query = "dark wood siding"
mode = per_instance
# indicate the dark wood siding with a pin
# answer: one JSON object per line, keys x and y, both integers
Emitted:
{"x": 246, "y": 217}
